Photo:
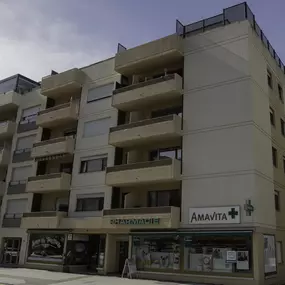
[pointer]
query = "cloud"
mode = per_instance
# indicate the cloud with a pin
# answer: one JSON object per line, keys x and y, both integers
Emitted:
{"x": 34, "y": 42}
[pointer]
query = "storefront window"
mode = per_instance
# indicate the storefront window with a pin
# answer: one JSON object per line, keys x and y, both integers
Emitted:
{"x": 157, "y": 252}
{"x": 46, "y": 247}
{"x": 269, "y": 255}
{"x": 220, "y": 253}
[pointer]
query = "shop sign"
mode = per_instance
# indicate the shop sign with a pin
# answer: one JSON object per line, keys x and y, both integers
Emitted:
{"x": 143, "y": 221}
{"x": 217, "y": 215}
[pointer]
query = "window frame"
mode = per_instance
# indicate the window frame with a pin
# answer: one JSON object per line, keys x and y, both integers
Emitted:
{"x": 101, "y": 98}
{"x": 269, "y": 79}
{"x": 104, "y": 161}
{"x": 156, "y": 194}
{"x": 275, "y": 157}
{"x": 277, "y": 200}
{"x": 282, "y": 126}
{"x": 155, "y": 154}
{"x": 280, "y": 93}
{"x": 272, "y": 117}
{"x": 81, "y": 209}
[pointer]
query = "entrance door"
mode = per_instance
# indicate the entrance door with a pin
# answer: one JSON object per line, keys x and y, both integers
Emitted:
{"x": 11, "y": 250}
{"x": 123, "y": 254}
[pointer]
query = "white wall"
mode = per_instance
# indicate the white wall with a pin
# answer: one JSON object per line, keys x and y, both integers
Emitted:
{"x": 87, "y": 183}
{"x": 226, "y": 152}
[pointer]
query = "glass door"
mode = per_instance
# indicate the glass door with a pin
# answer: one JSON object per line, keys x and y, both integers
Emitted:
{"x": 11, "y": 250}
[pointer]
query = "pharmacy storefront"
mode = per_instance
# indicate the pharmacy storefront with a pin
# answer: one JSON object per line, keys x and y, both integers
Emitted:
{"x": 191, "y": 254}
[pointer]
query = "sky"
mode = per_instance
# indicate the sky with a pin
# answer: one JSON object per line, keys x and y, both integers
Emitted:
{"x": 37, "y": 36}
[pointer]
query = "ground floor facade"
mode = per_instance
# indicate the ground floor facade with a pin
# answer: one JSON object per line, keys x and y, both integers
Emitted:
{"x": 250, "y": 256}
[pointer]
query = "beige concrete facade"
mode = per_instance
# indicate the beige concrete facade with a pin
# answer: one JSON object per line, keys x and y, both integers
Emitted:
{"x": 188, "y": 114}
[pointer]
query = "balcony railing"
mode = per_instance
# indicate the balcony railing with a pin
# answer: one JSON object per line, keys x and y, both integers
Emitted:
{"x": 135, "y": 211}
{"x": 12, "y": 220}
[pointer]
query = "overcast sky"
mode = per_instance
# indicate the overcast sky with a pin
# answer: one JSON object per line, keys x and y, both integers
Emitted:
{"x": 39, "y": 35}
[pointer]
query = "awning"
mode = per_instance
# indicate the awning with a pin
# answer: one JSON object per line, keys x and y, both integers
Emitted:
{"x": 51, "y": 157}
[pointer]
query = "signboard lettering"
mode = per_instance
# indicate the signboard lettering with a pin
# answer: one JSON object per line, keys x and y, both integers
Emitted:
{"x": 150, "y": 221}
{"x": 217, "y": 215}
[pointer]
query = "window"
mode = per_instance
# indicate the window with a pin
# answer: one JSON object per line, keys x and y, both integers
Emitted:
{"x": 280, "y": 93}
{"x": 282, "y": 125}
{"x": 164, "y": 198}
{"x": 93, "y": 164}
{"x": 166, "y": 153}
{"x": 200, "y": 252}
{"x": 277, "y": 200}
{"x": 279, "y": 252}
{"x": 21, "y": 173}
{"x": 30, "y": 114}
{"x": 96, "y": 128}
{"x": 272, "y": 117}
{"x": 25, "y": 142}
{"x": 46, "y": 247}
{"x": 100, "y": 92}
{"x": 61, "y": 204}
{"x": 165, "y": 112}
{"x": 269, "y": 79}
{"x": 274, "y": 156}
{"x": 270, "y": 264}
{"x": 16, "y": 206}
{"x": 85, "y": 204}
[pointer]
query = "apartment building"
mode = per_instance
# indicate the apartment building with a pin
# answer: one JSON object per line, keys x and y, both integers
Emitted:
{"x": 171, "y": 154}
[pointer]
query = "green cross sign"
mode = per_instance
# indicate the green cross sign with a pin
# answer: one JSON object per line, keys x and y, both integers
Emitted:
{"x": 233, "y": 213}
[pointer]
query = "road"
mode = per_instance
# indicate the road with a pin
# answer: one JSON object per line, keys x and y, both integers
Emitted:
{"x": 15, "y": 276}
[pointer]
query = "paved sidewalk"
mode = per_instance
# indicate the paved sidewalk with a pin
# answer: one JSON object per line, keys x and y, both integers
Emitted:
{"x": 15, "y": 276}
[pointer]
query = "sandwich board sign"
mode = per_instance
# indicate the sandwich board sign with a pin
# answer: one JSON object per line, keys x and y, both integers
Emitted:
{"x": 130, "y": 268}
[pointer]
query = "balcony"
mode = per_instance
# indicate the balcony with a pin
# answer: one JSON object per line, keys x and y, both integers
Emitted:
{"x": 148, "y": 93}
{"x": 5, "y": 154}
{"x": 7, "y": 129}
{"x": 150, "y": 56}
{"x": 12, "y": 220}
{"x": 63, "y": 84}
{"x": 146, "y": 131}
{"x": 148, "y": 172}
{"x": 59, "y": 146}
{"x": 142, "y": 218}
{"x": 49, "y": 183}
{"x": 9, "y": 101}
{"x": 58, "y": 115}
{"x": 42, "y": 220}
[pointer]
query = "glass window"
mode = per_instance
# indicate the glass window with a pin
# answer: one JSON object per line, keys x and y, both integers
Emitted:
{"x": 269, "y": 255}
{"x": 96, "y": 128}
{"x": 166, "y": 153}
{"x": 269, "y": 79}
{"x": 93, "y": 164}
{"x": 209, "y": 253}
{"x": 157, "y": 252}
{"x": 46, "y": 247}
{"x": 272, "y": 117}
{"x": 25, "y": 142}
{"x": 282, "y": 124}
{"x": 100, "y": 92}
{"x": 280, "y": 93}
{"x": 274, "y": 156}
{"x": 279, "y": 252}
{"x": 168, "y": 111}
{"x": 30, "y": 114}
{"x": 164, "y": 198}
{"x": 277, "y": 200}
{"x": 90, "y": 204}
{"x": 21, "y": 173}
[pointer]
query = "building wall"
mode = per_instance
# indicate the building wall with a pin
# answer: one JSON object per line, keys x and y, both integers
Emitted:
{"x": 30, "y": 99}
{"x": 224, "y": 148}
{"x": 86, "y": 183}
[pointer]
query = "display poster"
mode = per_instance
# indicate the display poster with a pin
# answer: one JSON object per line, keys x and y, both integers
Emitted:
{"x": 231, "y": 256}
{"x": 243, "y": 260}
{"x": 269, "y": 254}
